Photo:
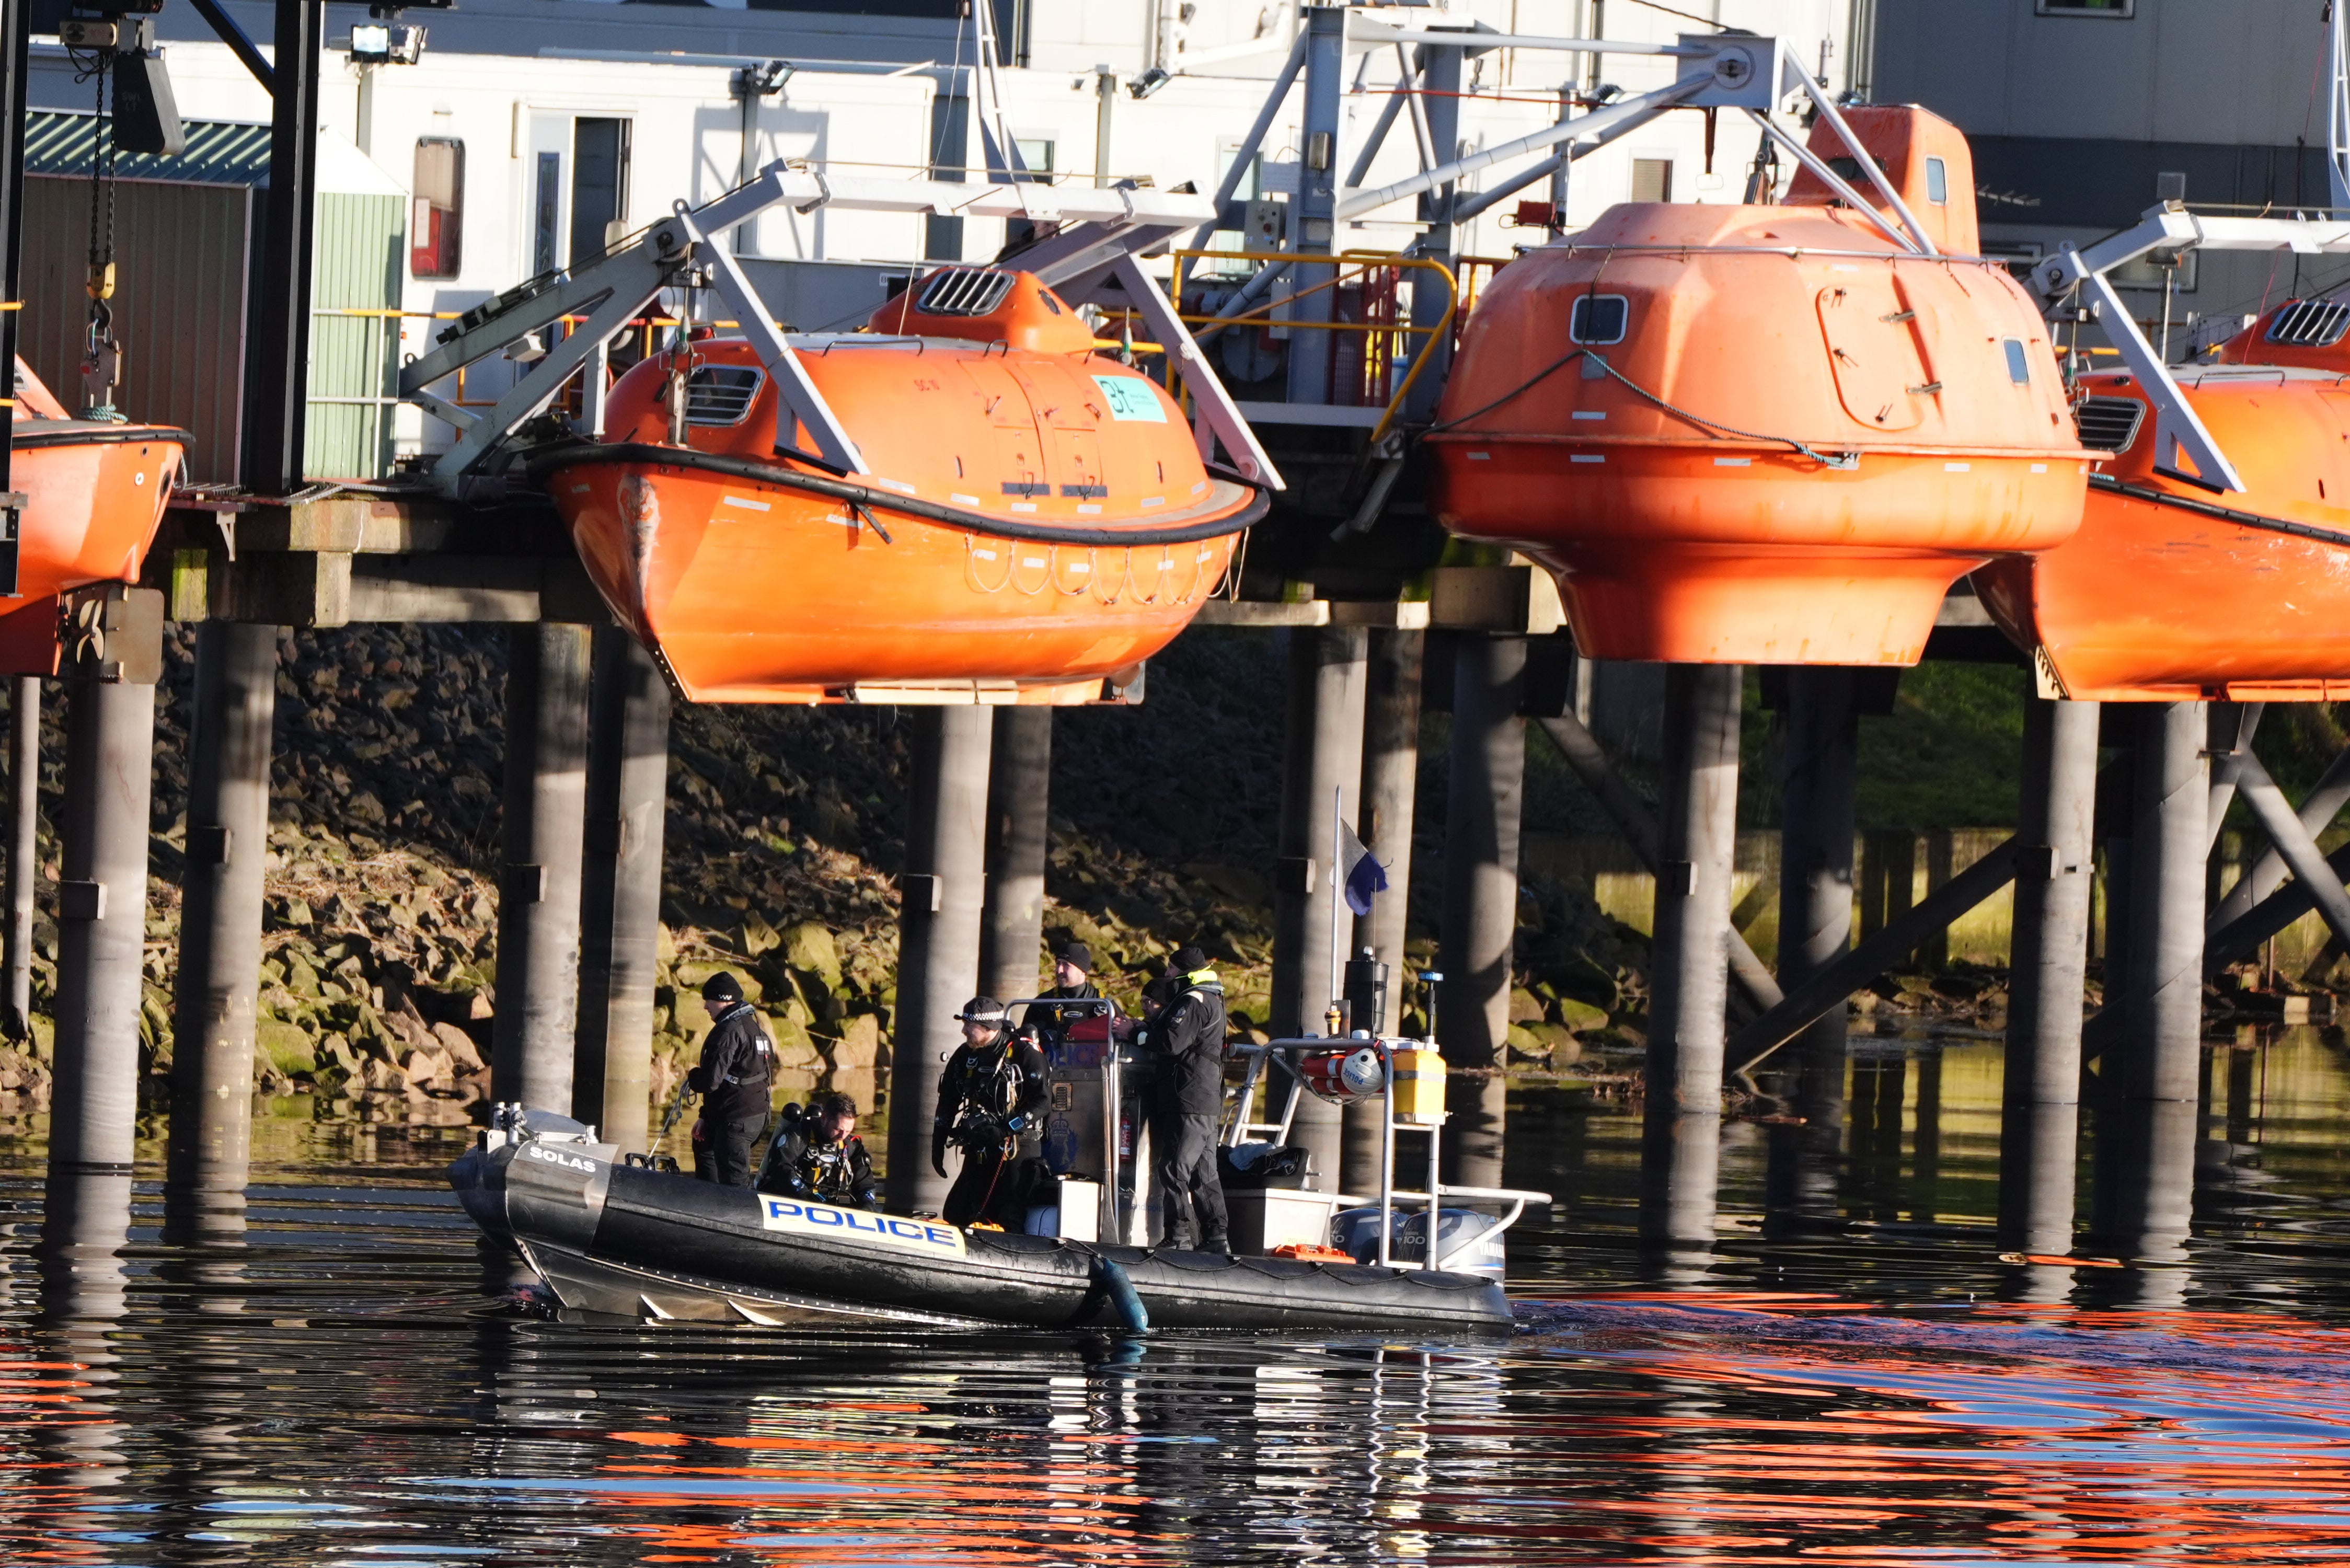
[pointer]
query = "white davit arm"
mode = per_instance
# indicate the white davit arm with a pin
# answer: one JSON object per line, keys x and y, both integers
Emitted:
{"x": 1218, "y": 413}
{"x": 797, "y": 399}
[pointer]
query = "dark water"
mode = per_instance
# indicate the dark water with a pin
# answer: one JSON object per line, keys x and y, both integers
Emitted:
{"x": 1852, "y": 1377}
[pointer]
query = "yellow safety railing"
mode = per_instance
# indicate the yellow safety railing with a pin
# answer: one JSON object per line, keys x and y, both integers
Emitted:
{"x": 1376, "y": 333}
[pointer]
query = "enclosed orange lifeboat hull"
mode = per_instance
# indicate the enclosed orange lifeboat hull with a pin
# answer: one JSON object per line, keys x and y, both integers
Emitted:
{"x": 1760, "y": 434}
{"x": 1037, "y": 519}
{"x": 94, "y": 494}
{"x": 2171, "y": 592}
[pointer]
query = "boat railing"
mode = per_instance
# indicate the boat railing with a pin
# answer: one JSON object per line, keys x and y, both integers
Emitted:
{"x": 1379, "y": 330}
{"x": 1113, "y": 1108}
{"x": 1434, "y": 1192}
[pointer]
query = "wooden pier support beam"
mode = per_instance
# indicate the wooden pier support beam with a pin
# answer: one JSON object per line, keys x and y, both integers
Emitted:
{"x": 620, "y": 888}
{"x": 1688, "y": 981}
{"x": 215, "y": 1003}
{"x": 2056, "y": 865}
{"x": 1019, "y": 814}
{"x": 534, "y": 1034}
{"x": 939, "y": 924}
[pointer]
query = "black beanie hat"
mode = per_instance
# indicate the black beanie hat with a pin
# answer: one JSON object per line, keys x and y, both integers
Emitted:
{"x": 721, "y": 987}
{"x": 1187, "y": 959}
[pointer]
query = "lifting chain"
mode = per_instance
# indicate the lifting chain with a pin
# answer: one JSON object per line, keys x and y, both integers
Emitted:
{"x": 101, "y": 362}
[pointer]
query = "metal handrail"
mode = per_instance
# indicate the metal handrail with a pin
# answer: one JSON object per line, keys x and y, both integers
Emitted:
{"x": 1362, "y": 261}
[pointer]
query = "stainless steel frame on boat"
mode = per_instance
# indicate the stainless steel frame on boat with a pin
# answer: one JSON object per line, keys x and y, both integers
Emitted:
{"x": 1430, "y": 1198}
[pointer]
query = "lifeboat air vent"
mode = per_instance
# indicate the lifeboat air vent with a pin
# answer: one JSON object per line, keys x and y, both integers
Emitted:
{"x": 964, "y": 291}
{"x": 2310, "y": 323}
{"x": 2109, "y": 424}
{"x": 721, "y": 394}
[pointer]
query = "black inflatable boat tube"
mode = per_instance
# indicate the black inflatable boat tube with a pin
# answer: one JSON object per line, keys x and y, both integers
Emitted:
{"x": 621, "y": 1238}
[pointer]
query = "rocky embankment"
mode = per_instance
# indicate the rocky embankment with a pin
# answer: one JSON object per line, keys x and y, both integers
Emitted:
{"x": 379, "y": 979}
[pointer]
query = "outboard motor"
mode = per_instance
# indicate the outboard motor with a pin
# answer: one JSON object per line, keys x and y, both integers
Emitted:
{"x": 1476, "y": 1236}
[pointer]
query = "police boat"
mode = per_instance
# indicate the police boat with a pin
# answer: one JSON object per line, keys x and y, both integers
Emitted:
{"x": 615, "y": 1234}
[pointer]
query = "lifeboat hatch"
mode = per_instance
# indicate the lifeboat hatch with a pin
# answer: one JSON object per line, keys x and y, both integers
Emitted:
{"x": 1879, "y": 374}
{"x": 1017, "y": 464}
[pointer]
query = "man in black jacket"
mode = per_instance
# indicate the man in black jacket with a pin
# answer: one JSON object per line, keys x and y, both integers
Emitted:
{"x": 818, "y": 1154}
{"x": 1072, "y": 968}
{"x": 990, "y": 1100}
{"x": 1186, "y": 1042}
{"x": 733, "y": 1079}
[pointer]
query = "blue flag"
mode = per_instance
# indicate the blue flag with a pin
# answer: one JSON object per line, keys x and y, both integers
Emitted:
{"x": 1359, "y": 872}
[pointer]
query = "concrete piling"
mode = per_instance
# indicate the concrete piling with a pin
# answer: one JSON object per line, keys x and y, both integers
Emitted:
{"x": 218, "y": 986}
{"x": 1688, "y": 981}
{"x": 102, "y": 923}
{"x": 1321, "y": 767}
{"x": 24, "y": 845}
{"x": 1019, "y": 809}
{"x": 1819, "y": 780}
{"x": 1484, "y": 808}
{"x": 534, "y": 1038}
{"x": 1390, "y": 790}
{"x": 939, "y": 926}
{"x": 620, "y": 889}
{"x": 2146, "y": 1163}
{"x": 2164, "y": 1001}
{"x": 2054, "y": 870}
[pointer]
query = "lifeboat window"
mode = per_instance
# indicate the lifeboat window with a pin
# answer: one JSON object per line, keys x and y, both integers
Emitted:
{"x": 1938, "y": 180}
{"x": 2019, "y": 362}
{"x": 1598, "y": 318}
{"x": 964, "y": 291}
{"x": 2109, "y": 424}
{"x": 721, "y": 394}
{"x": 2310, "y": 323}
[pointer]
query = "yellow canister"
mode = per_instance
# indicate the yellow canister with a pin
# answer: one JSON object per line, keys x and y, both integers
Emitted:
{"x": 1418, "y": 1086}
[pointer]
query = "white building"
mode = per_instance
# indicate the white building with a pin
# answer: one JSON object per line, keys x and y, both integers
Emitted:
{"x": 531, "y": 129}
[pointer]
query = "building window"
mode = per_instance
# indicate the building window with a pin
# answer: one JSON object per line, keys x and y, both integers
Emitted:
{"x": 436, "y": 221}
{"x": 599, "y": 187}
{"x": 1937, "y": 182}
{"x": 2119, "y": 9}
{"x": 1598, "y": 318}
{"x": 2150, "y": 271}
{"x": 1653, "y": 179}
{"x": 548, "y": 204}
{"x": 1036, "y": 157}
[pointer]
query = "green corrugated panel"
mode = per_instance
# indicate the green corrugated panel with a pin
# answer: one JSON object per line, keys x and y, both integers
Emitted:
{"x": 356, "y": 266}
{"x": 218, "y": 152}
{"x": 357, "y": 263}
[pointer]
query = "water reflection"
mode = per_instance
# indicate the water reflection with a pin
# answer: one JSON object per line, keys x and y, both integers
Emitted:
{"x": 1819, "y": 1352}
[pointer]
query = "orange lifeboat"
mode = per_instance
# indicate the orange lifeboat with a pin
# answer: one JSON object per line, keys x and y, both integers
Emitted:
{"x": 94, "y": 494}
{"x": 1750, "y": 434}
{"x": 2172, "y": 591}
{"x": 1037, "y": 518}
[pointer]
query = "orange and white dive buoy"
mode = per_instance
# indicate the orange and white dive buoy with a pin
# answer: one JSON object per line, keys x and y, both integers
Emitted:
{"x": 94, "y": 494}
{"x": 1764, "y": 434}
{"x": 1034, "y": 519}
